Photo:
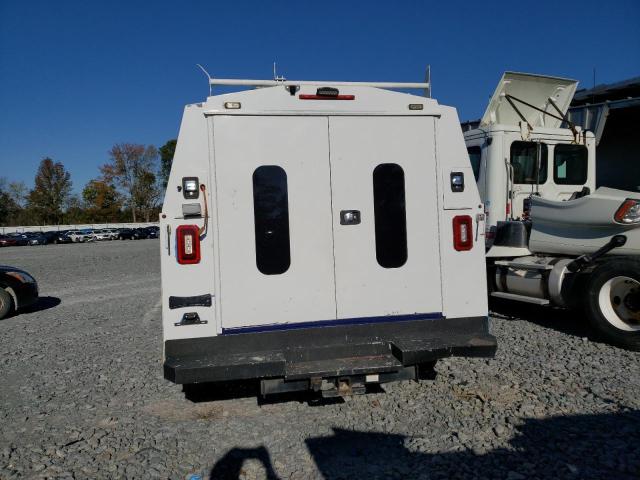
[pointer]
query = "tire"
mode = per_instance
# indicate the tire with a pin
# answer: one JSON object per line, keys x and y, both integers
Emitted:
{"x": 6, "y": 303}
{"x": 613, "y": 302}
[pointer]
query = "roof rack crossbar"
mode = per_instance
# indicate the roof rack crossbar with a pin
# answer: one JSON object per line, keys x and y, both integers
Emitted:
{"x": 273, "y": 83}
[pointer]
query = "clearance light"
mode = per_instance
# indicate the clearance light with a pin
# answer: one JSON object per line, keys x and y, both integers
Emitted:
{"x": 188, "y": 238}
{"x": 629, "y": 212}
{"x": 462, "y": 233}
{"x": 232, "y": 105}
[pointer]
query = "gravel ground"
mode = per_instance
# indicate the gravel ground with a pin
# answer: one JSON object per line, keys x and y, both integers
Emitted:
{"x": 82, "y": 396}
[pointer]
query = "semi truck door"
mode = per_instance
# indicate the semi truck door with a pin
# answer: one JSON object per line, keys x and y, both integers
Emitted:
{"x": 385, "y": 217}
{"x": 274, "y": 218}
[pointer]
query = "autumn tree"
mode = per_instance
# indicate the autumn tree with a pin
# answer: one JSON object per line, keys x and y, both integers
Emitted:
{"x": 52, "y": 186}
{"x": 167, "y": 151}
{"x": 133, "y": 168}
{"x": 102, "y": 201}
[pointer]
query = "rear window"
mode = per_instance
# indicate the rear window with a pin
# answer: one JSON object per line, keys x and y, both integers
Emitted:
{"x": 524, "y": 160}
{"x": 390, "y": 215}
{"x": 475, "y": 156}
{"x": 570, "y": 164}
{"x": 271, "y": 217}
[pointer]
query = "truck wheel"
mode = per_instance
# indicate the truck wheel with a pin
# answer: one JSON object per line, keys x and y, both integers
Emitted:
{"x": 6, "y": 303}
{"x": 613, "y": 302}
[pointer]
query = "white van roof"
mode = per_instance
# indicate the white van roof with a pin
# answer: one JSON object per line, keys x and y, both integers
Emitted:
{"x": 533, "y": 89}
{"x": 354, "y": 100}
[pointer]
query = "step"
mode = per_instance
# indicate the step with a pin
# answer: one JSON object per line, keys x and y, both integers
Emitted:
{"x": 521, "y": 298}
{"x": 524, "y": 265}
{"x": 420, "y": 350}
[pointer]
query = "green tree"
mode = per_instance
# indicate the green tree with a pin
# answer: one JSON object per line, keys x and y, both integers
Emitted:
{"x": 75, "y": 212}
{"x": 132, "y": 167}
{"x": 52, "y": 186}
{"x": 19, "y": 192}
{"x": 12, "y": 201}
{"x": 167, "y": 151}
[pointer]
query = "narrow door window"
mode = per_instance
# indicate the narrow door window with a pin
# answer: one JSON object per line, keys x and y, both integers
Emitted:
{"x": 271, "y": 216}
{"x": 390, "y": 215}
{"x": 524, "y": 161}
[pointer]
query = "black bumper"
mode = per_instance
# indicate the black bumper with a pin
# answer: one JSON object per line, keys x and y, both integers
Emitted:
{"x": 326, "y": 351}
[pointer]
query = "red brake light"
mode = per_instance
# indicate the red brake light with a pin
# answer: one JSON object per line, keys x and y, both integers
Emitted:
{"x": 188, "y": 237}
{"x": 302, "y": 96}
{"x": 462, "y": 233}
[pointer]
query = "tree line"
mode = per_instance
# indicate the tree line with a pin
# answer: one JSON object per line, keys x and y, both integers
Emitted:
{"x": 129, "y": 188}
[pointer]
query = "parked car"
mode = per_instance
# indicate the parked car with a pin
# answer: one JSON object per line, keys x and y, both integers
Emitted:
{"x": 111, "y": 232}
{"x": 125, "y": 234}
{"x": 18, "y": 289}
{"x": 57, "y": 236}
{"x": 36, "y": 238}
{"x": 7, "y": 241}
{"x": 100, "y": 234}
{"x": 152, "y": 232}
{"x": 14, "y": 240}
{"x": 140, "y": 233}
{"x": 79, "y": 235}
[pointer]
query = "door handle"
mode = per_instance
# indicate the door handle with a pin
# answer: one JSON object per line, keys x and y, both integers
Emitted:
{"x": 349, "y": 217}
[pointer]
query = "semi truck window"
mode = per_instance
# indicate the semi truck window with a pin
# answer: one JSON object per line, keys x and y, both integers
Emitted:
{"x": 271, "y": 217}
{"x": 475, "y": 155}
{"x": 524, "y": 160}
{"x": 390, "y": 215}
{"x": 570, "y": 164}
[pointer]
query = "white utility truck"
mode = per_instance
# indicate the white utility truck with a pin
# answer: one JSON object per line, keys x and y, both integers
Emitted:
{"x": 322, "y": 236}
{"x": 553, "y": 238}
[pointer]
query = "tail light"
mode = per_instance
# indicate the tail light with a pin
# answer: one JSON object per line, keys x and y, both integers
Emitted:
{"x": 188, "y": 238}
{"x": 462, "y": 233}
{"x": 629, "y": 212}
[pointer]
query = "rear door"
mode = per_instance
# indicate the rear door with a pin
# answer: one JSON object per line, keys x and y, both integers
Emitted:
{"x": 274, "y": 217}
{"x": 385, "y": 217}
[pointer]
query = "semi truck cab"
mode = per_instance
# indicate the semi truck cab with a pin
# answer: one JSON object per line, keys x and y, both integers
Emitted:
{"x": 523, "y": 147}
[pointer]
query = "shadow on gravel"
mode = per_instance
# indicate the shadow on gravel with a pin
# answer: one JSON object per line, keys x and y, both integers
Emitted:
{"x": 43, "y": 303}
{"x": 580, "y": 446}
{"x": 565, "y": 321}
{"x": 230, "y": 466}
{"x": 211, "y": 392}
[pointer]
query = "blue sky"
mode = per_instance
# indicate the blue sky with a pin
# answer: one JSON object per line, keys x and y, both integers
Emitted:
{"x": 78, "y": 76}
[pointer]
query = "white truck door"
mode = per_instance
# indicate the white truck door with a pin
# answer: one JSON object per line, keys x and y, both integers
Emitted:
{"x": 274, "y": 219}
{"x": 385, "y": 216}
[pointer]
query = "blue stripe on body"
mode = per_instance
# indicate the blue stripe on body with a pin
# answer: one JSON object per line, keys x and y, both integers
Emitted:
{"x": 332, "y": 323}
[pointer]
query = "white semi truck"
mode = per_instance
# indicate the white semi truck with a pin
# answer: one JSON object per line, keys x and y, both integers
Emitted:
{"x": 552, "y": 237}
{"x": 320, "y": 235}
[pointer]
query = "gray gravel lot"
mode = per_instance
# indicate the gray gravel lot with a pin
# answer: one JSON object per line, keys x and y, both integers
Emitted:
{"x": 82, "y": 396}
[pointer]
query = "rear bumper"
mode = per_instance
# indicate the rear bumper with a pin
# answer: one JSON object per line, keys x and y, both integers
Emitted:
{"x": 326, "y": 351}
